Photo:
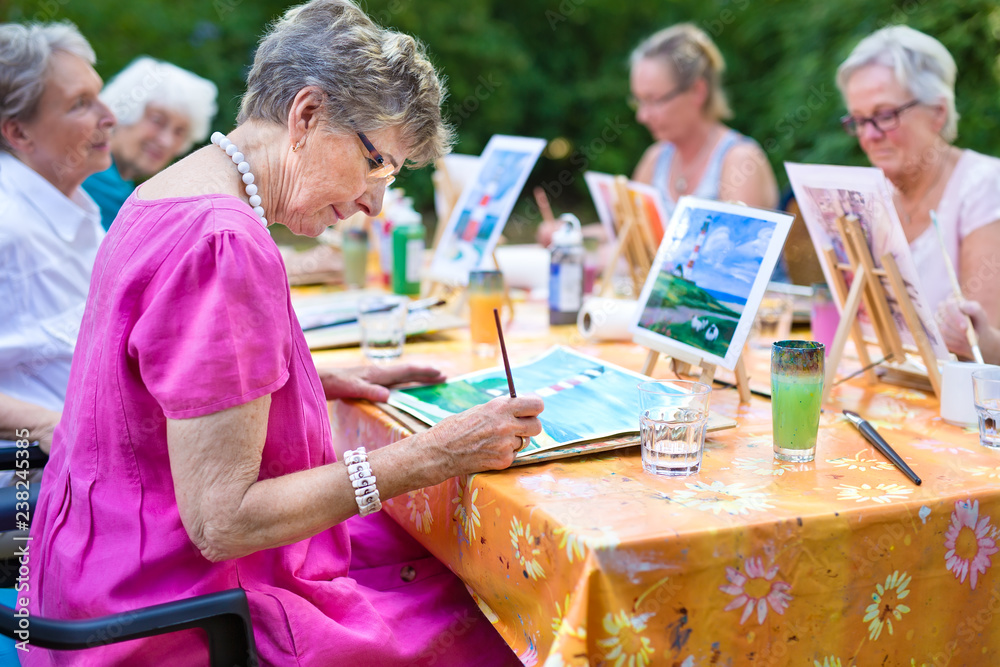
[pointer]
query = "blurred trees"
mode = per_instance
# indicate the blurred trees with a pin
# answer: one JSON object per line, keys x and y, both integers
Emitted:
{"x": 558, "y": 68}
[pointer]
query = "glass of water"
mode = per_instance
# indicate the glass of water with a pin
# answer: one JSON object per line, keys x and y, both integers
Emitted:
{"x": 672, "y": 418}
{"x": 986, "y": 392}
{"x": 383, "y": 326}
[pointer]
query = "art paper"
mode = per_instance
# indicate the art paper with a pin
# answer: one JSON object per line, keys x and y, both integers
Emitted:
{"x": 585, "y": 398}
{"x": 483, "y": 208}
{"x": 646, "y": 197}
{"x": 710, "y": 273}
{"x": 827, "y": 192}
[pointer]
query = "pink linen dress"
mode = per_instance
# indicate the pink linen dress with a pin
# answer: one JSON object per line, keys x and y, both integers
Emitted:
{"x": 189, "y": 313}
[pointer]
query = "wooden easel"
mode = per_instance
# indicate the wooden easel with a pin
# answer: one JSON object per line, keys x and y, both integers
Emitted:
{"x": 867, "y": 287}
{"x": 634, "y": 240}
{"x": 683, "y": 366}
{"x": 449, "y": 192}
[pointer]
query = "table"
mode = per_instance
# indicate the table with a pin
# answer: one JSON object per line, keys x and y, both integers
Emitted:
{"x": 837, "y": 562}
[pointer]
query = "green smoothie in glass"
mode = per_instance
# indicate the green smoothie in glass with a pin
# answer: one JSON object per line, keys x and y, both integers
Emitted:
{"x": 796, "y": 394}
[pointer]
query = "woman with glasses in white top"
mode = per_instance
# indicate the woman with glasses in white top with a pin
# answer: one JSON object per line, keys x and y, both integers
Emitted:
{"x": 676, "y": 82}
{"x": 899, "y": 88}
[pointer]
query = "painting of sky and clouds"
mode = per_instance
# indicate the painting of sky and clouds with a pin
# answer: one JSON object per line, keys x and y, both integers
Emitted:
{"x": 712, "y": 267}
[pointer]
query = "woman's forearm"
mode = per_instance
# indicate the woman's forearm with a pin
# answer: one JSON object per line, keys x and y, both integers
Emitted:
{"x": 282, "y": 510}
{"x": 22, "y": 420}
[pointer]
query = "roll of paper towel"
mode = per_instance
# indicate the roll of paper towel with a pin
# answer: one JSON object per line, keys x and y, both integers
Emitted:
{"x": 606, "y": 319}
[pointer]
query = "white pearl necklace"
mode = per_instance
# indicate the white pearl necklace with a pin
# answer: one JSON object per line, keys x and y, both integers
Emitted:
{"x": 223, "y": 142}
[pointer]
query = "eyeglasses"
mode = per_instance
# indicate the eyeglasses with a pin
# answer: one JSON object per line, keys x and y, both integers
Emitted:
{"x": 882, "y": 121}
{"x": 634, "y": 102}
{"x": 378, "y": 167}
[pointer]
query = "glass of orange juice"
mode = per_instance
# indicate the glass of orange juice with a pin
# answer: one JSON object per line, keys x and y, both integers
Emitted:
{"x": 485, "y": 294}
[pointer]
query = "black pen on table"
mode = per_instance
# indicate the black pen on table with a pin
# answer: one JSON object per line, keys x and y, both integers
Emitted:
{"x": 872, "y": 436}
{"x": 503, "y": 351}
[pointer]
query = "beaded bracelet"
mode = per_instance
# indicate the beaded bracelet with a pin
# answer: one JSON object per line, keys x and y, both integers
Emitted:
{"x": 359, "y": 471}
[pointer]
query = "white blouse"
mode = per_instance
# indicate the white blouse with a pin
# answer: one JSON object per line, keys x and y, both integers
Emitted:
{"x": 48, "y": 244}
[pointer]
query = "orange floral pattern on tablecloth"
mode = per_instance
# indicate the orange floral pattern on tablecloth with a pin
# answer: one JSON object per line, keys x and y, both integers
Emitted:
{"x": 625, "y": 642}
{"x": 466, "y": 511}
{"x": 720, "y": 497}
{"x": 418, "y": 502}
{"x": 526, "y": 550}
{"x": 971, "y": 541}
{"x": 770, "y": 594}
{"x": 839, "y": 562}
{"x": 887, "y": 604}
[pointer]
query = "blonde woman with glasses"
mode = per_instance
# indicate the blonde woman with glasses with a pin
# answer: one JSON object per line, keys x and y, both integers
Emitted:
{"x": 676, "y": 82}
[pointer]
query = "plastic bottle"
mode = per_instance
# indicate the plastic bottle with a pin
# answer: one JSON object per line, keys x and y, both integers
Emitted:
{"x": 407, "y": 248}
{"x": 382, "y": 227}
{"x": 566, "y": 272}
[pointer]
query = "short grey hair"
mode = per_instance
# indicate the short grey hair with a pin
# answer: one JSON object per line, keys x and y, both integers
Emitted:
{"x": 147, "y": 81}
{"x": 372, "y": 78}
{"x": 25, "y": 52}
{"x": 692, "y": 55}
{"x": 921, "y": 64}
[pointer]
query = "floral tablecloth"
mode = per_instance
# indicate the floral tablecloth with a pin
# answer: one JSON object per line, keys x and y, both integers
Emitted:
{"x": 837, "y": 562}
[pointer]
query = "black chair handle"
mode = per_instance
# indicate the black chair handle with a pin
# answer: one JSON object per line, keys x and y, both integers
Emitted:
{"x": 36, "y": 457}
{"x": 224, "y": 616}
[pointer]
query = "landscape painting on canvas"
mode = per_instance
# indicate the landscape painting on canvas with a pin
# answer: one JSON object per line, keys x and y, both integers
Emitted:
{"x": 708, "y": 278}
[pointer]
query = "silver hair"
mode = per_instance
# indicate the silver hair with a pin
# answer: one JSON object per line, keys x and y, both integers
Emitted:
{"x": 25, "y": 52}
{"x": 372, "y": 78}
{"x": 692, "y": 55}
{"x": 921, "y": 64}
{"x": 148, "y": 81}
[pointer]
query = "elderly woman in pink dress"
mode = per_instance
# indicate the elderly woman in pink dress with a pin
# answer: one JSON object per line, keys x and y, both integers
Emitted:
{"x": 899, "y": 86}
{"x": 195, "y": 452}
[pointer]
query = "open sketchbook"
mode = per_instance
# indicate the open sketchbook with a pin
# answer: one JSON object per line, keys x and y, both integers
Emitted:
{"x": 591, "y": 405}
{"x": 331, "y": 320}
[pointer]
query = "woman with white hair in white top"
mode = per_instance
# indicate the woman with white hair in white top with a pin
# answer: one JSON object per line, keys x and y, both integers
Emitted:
{"x": 54, "y": 133}
{"x": 899, "y": 87}
{"x": 162, "y": 110}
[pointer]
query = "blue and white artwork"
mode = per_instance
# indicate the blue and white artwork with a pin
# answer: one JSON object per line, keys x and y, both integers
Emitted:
{"x": 708, "y": 278}
{"x": 483, "y": 208}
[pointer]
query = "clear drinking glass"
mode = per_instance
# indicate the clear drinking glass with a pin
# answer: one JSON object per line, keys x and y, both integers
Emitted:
{"x": 672, "y": 419}
{"x": 383, "y": 326}
{"x": 796, "y": 393}
{"x": 773, "y": 320}
{"x": 986, "y": 392}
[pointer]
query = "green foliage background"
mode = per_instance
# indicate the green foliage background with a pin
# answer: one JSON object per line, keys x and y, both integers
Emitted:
{"x": 558, "y": 68}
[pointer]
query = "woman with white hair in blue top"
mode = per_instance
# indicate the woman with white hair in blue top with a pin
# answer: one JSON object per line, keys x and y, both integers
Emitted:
{"x": 162, "y": 110}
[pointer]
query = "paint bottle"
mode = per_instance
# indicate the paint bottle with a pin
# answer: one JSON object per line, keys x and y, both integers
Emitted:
{"x": 407, "y": 248}
{"x": 566, "y": 272}
{"x": 355, "y": 250}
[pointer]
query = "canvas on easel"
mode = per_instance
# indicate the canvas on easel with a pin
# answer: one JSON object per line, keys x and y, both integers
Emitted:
{"x": 633, "y": 215}
{"x": 708, "y": 278}
{"x": 483, "y": 207}
{"x": 854, "y": 227}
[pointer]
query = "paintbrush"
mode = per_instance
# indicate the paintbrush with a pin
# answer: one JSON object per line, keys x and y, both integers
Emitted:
{"x": 503, "y": 351}
{"x": 970, "y": 331}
